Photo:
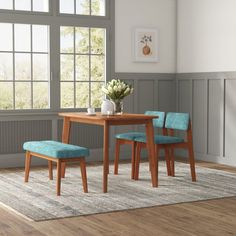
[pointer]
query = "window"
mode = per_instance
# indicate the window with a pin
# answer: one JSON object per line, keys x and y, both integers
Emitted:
{"x": 24, "y": 66}
{"x": 83, "y": 7}
{"x": 25, "y": 5}
{"x": 53, "y": 61}
{"x": 82, "y": 66}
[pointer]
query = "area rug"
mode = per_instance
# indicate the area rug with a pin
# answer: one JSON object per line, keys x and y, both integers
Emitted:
{"x": 37, "y": 199}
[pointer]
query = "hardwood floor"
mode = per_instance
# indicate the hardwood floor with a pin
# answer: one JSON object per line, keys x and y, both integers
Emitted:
{"x": 212, "y": 217}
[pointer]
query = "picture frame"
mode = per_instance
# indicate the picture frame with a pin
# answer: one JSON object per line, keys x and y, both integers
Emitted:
{"x": 145, "y": 42}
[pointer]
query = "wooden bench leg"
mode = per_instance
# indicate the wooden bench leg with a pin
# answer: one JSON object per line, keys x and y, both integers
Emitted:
{"x": 63, "y": 169}
{"x": 50, "y": 170}
{"x": 58, "y": 177}
{"x": 83, "y": 174}
{"x": 27, "y": 165}
{"x": 117, "y": 155}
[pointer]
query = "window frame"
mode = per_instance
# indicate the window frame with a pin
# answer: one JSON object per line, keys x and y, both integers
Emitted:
{"x": 106, "y": 16}
{"x": 90, "y": 55}
{"x": 31, "y": 12}
{"x": 55, "y": 20}
{"x": 31, "y": 53}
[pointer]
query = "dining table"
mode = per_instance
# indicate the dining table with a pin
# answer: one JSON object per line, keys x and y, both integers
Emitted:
{"x": 113, "y": 120}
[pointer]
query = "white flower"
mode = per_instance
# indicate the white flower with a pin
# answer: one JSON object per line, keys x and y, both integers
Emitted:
{"x": 117, "y": 89}
{"x": 105, "y": 90}
{"x": 110, "y": 89}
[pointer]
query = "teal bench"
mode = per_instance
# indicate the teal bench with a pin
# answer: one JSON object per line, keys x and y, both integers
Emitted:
{"x": 56, "y": 152}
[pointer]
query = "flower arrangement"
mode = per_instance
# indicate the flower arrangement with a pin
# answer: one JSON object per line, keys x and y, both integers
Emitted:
{"x": 117, "y": 89}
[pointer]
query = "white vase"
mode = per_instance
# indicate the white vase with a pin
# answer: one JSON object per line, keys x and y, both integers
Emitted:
{"x": 107, "y": 107}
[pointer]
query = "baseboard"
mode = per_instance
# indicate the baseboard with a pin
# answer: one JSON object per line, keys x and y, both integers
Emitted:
{"x": 208, "y": 158}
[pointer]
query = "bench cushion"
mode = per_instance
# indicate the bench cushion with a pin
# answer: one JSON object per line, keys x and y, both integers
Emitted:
{"x": 130, "y": 136}
{"x": 160, "y": 139}
{"x": 55, "y": 149}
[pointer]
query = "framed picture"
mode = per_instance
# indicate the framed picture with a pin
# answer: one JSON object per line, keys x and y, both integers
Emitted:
{"x": 146, "y": 45}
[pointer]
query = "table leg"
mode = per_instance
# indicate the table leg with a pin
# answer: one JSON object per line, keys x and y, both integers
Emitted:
{"x": 151, "y": 153}
{"x": 105, "y": 156}
{"x": 65, "y": 139}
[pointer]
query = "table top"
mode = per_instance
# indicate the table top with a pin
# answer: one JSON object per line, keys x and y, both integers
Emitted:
{"x": 99, "y": 116}
{"x": 99, "y": 119}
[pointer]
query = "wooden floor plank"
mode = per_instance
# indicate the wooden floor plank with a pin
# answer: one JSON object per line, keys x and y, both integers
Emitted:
{"x": 211, "y": 217}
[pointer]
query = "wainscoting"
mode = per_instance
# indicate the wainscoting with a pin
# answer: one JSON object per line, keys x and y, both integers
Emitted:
{"x": 209, "y": 97}
{"x": 211, "y": 100}
{"x": 151, "y": 92}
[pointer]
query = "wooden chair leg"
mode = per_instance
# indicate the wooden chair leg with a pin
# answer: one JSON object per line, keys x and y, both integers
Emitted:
{"x": 50, "y": 170}
{"x": 172, "y": 161}
{"x": 63, "y": 169}
{"x": 192, "y": 162}
{"x": 117, "y": 155}
{"x": 83, "y": 174}
{"x": 27, "y": 165}
{"x": 150, "y": 166}
{"x": 133, "y": 160}
{"x": 59, "y": 170}
{"x": 137, "y": 161}
{"x": 167, "y": 157}
{"x": 157, "y": 156}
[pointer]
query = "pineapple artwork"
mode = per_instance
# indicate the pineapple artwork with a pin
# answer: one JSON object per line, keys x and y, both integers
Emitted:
{"x": 146, "y": 40}
{"x": 146, "y": 45}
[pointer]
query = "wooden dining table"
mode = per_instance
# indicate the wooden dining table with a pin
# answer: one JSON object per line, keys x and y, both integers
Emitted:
{"x": 113, "y": 120}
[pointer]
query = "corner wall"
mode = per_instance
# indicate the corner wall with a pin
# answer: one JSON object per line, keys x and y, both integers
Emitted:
{"x": 206, "y": 52}
{"x": 206, "y": 36}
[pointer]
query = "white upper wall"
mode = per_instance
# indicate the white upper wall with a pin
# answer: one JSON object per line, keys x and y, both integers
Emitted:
{"x": 206, "y": 35}
{"x": 160, "y": 14}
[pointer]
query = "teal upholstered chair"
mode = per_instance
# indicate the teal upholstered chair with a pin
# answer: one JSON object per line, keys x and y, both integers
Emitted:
{"x": 174, "y": 121}
{"x": 129, "y": 138}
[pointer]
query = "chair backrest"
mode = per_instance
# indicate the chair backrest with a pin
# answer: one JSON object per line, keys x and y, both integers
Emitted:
{"x": 158, "y": 122}
{"x": 178, "y": 121}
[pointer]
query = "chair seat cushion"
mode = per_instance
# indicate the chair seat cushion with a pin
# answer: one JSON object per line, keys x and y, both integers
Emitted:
{"x": 55, "y": 149}
{"x": 130, "y": 136}
{"x": 160, "y": 139}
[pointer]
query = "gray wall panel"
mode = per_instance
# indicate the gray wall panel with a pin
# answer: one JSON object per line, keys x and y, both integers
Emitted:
{"x": 145, "y": 95}
{"x": 200, "y": 115}
{"x": 14, "y": 133}
{"x": 230, "y": 119}
{"x": 90, "y": 136}
{"x": 166, "y": 95}
{"x": 185, "y": 96}
{"x": 213, "y": 103}
{"x": 215, "y": 117}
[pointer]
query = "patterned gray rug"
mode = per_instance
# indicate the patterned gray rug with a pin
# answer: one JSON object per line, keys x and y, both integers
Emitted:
{"x": 37, "y": 200}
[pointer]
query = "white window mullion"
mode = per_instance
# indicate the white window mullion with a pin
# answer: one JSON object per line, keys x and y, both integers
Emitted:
{"x": 14, "y": 65}
{"x": 90, "y": 87}
{"x": 74, "y": 55}
{"x": 55, "y": 66}
{"x": 31, "y": 65}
